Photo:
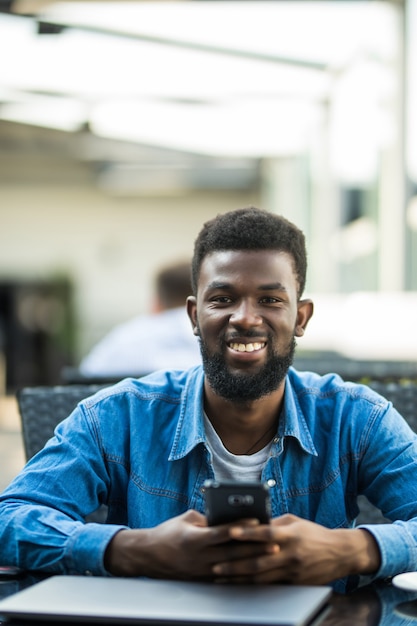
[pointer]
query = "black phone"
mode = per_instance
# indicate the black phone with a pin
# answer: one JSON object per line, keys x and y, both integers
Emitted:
{"x": 229, "y": 501}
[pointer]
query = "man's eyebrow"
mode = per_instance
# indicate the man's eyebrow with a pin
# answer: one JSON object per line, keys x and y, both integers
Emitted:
{"x": 267, "y": 287}
{"x": 272, "y": 287}
{"x": 218, "y": 285}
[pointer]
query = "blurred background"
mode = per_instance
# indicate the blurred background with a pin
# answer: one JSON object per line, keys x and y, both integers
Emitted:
{"x": 126, "y": 125}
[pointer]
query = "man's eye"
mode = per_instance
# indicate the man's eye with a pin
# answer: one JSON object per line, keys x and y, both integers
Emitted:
{"x": 269, "y": 300}
{"x": 221, "y": 299}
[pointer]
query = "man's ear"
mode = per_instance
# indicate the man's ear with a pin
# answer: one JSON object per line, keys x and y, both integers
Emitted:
{"x": 192, "y": 313}
{"x": 304, "y": 314}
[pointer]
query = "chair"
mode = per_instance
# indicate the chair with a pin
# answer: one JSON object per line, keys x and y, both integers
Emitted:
{"x": 403, "y": 395}
{"x": 357, "y": 370}
{"x": 42, "y": 408}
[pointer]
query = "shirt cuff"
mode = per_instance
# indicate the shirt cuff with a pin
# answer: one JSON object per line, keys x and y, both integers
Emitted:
{"x": 397, "y": 547}
{"x": 86, "y": 549}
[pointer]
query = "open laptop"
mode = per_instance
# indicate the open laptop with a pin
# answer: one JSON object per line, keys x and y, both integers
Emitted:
{"x": 162, "y": 602}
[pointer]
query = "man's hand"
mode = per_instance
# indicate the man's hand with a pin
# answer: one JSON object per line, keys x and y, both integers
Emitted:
{"x": 182, "y": 547}
{"x": 303, "y": 553}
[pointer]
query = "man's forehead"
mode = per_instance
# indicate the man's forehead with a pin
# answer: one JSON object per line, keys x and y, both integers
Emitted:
{"x": 270, "y": 266}
{"x": 231, "y": 258}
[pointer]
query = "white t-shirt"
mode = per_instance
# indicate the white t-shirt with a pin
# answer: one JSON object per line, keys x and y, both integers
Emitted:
{"x": 228, "y": 466}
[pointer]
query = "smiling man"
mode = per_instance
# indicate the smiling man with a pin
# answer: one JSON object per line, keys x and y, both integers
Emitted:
{"x": 249, "y": 319}
{"x": 145, "y": 447}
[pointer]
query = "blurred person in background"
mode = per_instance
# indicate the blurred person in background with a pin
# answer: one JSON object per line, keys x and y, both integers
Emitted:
{"x": 162, "y": 339}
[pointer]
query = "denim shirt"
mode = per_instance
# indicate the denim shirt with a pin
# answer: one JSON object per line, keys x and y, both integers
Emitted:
{"x": 140, "y": 448}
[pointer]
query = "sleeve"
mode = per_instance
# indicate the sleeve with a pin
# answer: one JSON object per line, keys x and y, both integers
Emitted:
{"x": 43, "y": 510}
{"x": 390, "y": 465}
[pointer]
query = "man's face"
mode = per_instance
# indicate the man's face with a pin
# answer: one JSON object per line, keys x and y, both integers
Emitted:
{"x": 246, "y": 315}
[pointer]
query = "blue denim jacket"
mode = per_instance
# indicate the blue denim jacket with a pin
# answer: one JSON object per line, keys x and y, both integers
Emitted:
{"x": 139, "y": 447}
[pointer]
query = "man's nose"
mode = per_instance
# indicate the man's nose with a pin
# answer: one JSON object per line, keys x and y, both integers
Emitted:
{"x": 246, "y": 314}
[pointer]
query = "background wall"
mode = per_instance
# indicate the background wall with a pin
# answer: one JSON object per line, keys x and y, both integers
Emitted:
{"x": 109, "y": 247}
{"x": 121, "y": 132}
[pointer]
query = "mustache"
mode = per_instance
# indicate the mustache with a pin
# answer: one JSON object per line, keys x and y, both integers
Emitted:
{"x": 247, "y": 334}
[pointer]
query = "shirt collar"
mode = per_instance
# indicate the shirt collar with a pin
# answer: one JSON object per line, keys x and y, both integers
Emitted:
{"x": 293, "y": 423}
{"x": 190, "y": 428}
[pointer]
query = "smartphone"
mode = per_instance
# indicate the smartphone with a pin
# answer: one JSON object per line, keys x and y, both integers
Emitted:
{"x": 229, "y": 501}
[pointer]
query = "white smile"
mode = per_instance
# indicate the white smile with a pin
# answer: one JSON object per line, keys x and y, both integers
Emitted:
{"x": 247, "y": 347}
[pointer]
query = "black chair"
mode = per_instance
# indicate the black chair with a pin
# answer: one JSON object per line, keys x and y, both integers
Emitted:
{"x": 42, "y": 408}
{"x": 357, "y": 370}
{"x": 403, "y": 395}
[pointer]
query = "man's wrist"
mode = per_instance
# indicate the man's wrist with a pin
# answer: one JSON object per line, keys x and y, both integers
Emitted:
{"x": 121, "y": 557}
{"x": 362, "y": 552}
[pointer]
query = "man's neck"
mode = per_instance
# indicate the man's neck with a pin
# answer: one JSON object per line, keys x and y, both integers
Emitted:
{"x": 247, "y": 426}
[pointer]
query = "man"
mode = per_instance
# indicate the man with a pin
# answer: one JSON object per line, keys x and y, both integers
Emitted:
{"x": 160, "y": 340}
{"x": 144, "y": 447}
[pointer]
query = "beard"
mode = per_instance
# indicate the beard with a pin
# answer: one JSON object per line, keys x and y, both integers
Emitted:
{"x": 246, "y": 387}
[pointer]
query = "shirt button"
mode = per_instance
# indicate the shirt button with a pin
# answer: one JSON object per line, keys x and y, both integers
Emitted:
{"x": 88, "y": 572}
{"x": 271, "y": 482}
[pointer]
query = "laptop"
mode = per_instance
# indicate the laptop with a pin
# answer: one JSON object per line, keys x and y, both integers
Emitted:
{"x": 162, "y": 602}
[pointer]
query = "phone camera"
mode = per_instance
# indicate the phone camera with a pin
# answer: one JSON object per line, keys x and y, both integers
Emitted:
{"x": 239, "y": 499}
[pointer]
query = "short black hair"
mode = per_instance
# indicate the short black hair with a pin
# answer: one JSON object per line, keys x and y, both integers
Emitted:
{"x": 250, "y": 228}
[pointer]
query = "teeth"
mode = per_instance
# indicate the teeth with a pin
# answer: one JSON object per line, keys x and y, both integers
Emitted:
{"x": 247, "y": 347}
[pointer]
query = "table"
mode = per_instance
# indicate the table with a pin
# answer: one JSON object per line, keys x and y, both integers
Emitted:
{"x": 380, "y": 604}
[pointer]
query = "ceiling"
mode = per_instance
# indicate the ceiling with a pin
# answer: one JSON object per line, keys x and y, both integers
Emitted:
{"x": 236, "y": 81}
